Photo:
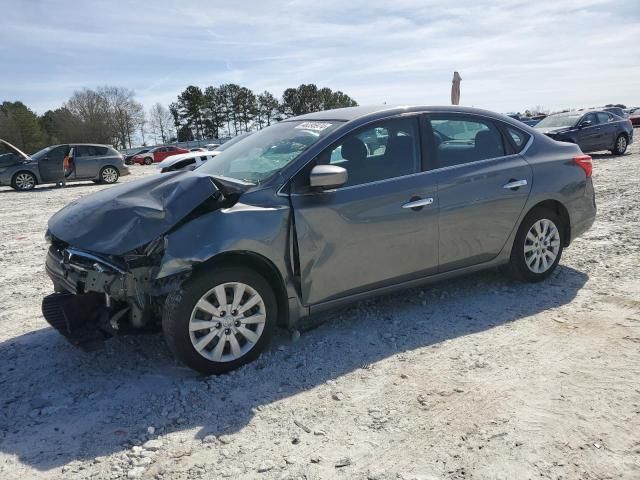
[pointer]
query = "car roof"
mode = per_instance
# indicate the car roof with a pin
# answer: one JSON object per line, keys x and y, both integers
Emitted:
{"x": 372, "y": 112}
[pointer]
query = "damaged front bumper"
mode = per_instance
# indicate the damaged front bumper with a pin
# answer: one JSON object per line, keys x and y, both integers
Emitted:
{"x": 97, "y": 297}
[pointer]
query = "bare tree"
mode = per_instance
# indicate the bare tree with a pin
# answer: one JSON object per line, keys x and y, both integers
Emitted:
{"x": 107, "y": 114}
{"x": 93, "y": 111}
{"x": 160, "y": 122}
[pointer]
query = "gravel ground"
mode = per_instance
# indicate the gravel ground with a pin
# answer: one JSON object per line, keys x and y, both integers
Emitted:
{"x": 478, "y": 377}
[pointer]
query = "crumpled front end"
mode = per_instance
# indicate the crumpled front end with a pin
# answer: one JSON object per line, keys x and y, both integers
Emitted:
{"x": 107, "y": 249}
{"x": 98, "y": 296}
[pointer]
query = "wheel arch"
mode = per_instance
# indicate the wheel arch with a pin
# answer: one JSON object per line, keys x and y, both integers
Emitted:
{"x": 559, "y": 209}
{"x": 262, "y": 266}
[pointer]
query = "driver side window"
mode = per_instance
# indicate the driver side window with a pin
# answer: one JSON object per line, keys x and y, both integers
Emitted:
{"x": 381, "y": 151}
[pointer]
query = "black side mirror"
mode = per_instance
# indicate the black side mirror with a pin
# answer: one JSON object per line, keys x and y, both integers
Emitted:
{"x": 327, "y": 176}
{"x": 586, "y": 123}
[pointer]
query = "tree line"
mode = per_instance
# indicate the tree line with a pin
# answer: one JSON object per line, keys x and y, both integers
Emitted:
{"x": 111, "y": 115}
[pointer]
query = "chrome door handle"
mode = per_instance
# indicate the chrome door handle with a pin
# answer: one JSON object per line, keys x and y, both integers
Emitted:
{"x": 418, "y": 203}
{"x": 514, "y": 184}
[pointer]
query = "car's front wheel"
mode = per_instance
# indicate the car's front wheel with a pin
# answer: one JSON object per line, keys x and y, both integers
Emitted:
{"x": 621, "y": 145}
{"x": 148, "y": 160}
{"x": 220, "y": 319}
{"x": 538, "y": 246}
{"x": 23, "y": 181}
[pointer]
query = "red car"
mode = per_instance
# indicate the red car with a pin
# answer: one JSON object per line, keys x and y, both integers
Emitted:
{"x": 157, "y": 154}
{"x": 634, "y": 117}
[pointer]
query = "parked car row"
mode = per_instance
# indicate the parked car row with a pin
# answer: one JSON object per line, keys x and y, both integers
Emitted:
{"x": 308, "y": 214}
{"x": 196, "y": 157}
{"x": 58, "y": 164}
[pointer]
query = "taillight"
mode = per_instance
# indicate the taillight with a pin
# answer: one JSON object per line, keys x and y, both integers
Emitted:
{"x": 585, "y": 162}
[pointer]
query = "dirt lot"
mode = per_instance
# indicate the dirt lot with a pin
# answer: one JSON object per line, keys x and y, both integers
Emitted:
{"x": 473, "y": 378}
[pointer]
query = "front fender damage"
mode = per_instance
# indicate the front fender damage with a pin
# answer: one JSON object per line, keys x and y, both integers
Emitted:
{"x": 106, "y": 277}
{"x": 246, "y": 228}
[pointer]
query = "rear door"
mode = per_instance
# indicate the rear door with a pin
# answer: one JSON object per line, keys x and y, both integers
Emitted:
{"x": 86, "y": 161}
{"x": 51, "y": 166}
{"x": 483, "y": 184}
{"x": 365, "y": 234}
{"x": 608, "y": 129}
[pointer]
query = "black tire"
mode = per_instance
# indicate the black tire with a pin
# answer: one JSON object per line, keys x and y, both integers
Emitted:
{"x": 148, "y": 160}
{"x": 111, "y": 179}
{"x": 622, "y": 142}
{"x": 518, "y": 264}
{"x": 24, "y": 181}
{"x": 179, "y": 306}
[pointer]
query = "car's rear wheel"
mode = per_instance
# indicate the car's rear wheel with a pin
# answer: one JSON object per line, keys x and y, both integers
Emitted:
{"x": 538, "y": 246}
{"x": 621, "y": 144}
{"x": 148, "y": 160}
{"x": 23, "y": 181}
{"x": 220, "y": 319}
{"x": 109, "y": 174}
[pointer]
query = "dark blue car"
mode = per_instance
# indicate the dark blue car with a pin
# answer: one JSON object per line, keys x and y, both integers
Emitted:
{"x": 592, "y": 131}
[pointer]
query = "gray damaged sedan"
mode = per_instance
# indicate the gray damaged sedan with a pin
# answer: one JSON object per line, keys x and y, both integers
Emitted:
{"x": 309, "y": 214}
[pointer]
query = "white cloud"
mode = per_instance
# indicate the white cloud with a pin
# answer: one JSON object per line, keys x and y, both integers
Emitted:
{"x": 512, "y": 54}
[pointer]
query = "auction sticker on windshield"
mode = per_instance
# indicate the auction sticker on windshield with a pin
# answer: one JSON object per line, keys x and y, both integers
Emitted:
{"x": 317, "y": 126}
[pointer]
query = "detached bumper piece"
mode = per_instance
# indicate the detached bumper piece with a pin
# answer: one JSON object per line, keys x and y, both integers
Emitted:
{"x": 76, "y": 317}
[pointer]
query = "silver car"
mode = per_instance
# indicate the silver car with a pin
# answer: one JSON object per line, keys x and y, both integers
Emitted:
{"x": 58, "y": 164}
{"x": 309, "y": 214}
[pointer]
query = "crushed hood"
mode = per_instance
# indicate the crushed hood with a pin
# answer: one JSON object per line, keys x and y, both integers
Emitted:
{"x": 119, "y": 219}
{"x": 15, "y": 157}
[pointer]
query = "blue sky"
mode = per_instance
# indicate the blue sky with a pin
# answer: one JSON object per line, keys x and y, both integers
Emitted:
{"x": 511, "y": 54}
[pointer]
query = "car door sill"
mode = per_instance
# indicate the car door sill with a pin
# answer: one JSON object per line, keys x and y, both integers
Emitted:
{"x": 338, "y": 302}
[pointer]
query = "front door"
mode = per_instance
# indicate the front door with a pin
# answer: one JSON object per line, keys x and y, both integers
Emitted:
{"x": 51, "y": 166}
{"x": 365, "y": 234}
{"x": 160, "y": 154}
{"x": 482, "y": 188}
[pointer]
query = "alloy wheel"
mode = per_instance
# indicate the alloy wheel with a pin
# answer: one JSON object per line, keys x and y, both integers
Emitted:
{"x": 25, "y": 181}
{"x": 541, "y": 246}
{"x": 227, "y": 322}
{"x": 622, "y": 144}
{"x": 109, "y": 175}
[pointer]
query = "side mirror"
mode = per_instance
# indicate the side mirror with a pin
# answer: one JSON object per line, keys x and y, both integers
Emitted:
{"x": 586, "y": 123}
{"x": 327, "y": 176}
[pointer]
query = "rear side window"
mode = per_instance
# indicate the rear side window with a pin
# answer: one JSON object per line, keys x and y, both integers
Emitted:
{"x": 90, "y": 151}
{"x": 519, "y": 137}
{"x": 459, "y": 140}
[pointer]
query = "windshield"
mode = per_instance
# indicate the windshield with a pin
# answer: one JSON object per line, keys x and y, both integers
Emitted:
{"x": 231, "y": 142}
{"x": 41, "y": 153}
{"x": 566, "y": 120}
{"x": 265, "y": 152}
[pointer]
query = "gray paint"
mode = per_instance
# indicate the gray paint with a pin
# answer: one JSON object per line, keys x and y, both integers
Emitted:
{"x": 336, "y": 246}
